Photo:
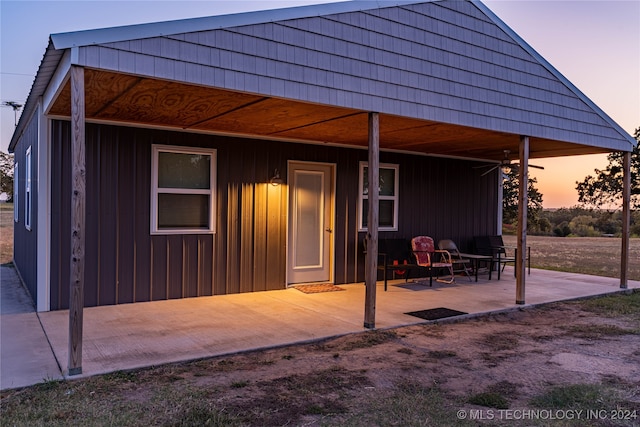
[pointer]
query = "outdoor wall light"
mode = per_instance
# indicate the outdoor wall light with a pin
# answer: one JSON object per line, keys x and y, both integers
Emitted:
{"x": 276, "y": 180}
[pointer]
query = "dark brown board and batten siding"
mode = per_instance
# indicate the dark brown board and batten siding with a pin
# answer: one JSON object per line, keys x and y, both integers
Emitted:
{"x": 440, "y": 197}
{"x": 25, "y": 253}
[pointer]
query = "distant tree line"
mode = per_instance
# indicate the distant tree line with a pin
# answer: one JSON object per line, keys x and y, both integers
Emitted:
{"x": 6, "y": 175}
{"x": 577, "y": 221}
{"x": 581, "y": 222}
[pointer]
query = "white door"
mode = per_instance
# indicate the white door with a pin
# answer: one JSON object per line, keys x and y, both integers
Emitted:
{"x": 310, "y": 222}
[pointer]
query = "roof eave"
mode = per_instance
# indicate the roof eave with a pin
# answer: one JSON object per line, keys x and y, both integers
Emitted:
{"x": 46, "y": 70}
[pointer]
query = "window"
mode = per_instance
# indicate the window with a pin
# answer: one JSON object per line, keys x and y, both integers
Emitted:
{"x": 388, "y": 197}
{"x": 183, "y": 190}
{"x": 27, "y": 190}
{"x": 16, "y": 187}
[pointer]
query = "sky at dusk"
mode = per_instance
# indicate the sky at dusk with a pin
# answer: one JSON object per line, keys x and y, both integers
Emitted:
{"x": 594, "y": 44}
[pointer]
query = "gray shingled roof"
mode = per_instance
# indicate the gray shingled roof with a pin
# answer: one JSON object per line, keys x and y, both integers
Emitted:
{"x": 594, "y": 127}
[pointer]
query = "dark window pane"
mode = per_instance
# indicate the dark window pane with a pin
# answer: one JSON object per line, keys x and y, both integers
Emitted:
{"x": 183, "y": 211}
{"x": 385, "y": 213}
{"x": 387, "y": 182}
{"x": 387, "y": 179}
{"x": 365, "y": 213}
{"x": 180, "y": 170}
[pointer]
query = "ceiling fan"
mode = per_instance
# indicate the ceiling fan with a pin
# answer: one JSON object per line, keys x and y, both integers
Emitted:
{"x": 504, "y": 164}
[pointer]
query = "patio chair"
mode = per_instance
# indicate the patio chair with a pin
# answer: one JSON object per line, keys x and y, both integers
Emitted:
{"x": 508, "y": 254}
{"x": 460, "y": 264}
{"x": 427, "y": 256}
{"x": 494, "y": 246}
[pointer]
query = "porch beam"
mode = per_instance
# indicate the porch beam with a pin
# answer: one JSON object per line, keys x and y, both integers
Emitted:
{"x": 78, "y": 208}
{"x": 626, "y": 219}
{"x": 371, "y": 259}
{"x": 523, "y": 201}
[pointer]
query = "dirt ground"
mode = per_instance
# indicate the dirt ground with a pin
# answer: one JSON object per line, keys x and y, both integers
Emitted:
{"x": 518, "y": 356}
{"x": 575, "y": 363}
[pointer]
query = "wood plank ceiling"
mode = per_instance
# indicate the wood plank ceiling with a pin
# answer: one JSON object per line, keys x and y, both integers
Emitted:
{"x": 151, "y": 102}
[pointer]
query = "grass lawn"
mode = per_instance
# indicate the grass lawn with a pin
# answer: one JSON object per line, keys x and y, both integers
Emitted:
{"x": 599, "y": 256}
{"x": 6, "y": 232}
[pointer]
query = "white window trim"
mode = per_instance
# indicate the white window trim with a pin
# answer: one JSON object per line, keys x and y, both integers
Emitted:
{"x": 156, "y": 149}
{"x": 28, "y": 199}
{"x": 16, "y": 193}
{"x": 395, "y": 197}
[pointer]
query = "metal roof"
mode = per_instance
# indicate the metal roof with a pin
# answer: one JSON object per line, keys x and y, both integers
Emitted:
{"x": 48, "y": 65}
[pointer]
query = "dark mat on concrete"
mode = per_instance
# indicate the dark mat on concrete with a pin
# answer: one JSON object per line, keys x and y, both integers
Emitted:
{"x": 436, "y": 313}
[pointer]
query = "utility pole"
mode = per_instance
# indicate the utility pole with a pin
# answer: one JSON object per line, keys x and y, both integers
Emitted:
{"x": 16, "y": 107}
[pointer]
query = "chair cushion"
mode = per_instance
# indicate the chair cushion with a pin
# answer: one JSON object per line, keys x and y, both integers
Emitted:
{"x": 423, "y": 247}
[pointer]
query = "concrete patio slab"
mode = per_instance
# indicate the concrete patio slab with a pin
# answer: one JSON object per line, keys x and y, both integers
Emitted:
{"x": 25, "y": 355}
{"x": 131, "y": 336}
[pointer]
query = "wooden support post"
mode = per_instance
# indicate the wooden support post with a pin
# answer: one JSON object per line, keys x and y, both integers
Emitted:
{"x": 626, "y": 219}
{"x": 523, "y": 201}
{"x": 371, "y": 260}
{"x": 78, "y": 202}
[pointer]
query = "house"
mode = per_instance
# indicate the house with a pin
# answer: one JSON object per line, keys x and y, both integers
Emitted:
{"x": 230, "y": 153}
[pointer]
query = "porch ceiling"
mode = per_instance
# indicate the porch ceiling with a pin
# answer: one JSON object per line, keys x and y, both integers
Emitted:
{"x": 152, "y": 102}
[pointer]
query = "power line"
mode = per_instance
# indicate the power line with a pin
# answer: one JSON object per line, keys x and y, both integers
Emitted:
{"x": 17, "y": 74}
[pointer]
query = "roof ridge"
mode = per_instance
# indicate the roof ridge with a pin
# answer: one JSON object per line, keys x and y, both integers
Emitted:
{"x": 189, "y": 25}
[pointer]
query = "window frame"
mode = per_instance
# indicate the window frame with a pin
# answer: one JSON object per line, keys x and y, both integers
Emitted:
{"x": 28, "y": 200}
{"x": 395, "y": 197}
{"x": 156, "y": 149}
{"x": 16, "y": 194}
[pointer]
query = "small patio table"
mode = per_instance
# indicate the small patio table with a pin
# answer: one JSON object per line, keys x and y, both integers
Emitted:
{"x": 476, "y": 259}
